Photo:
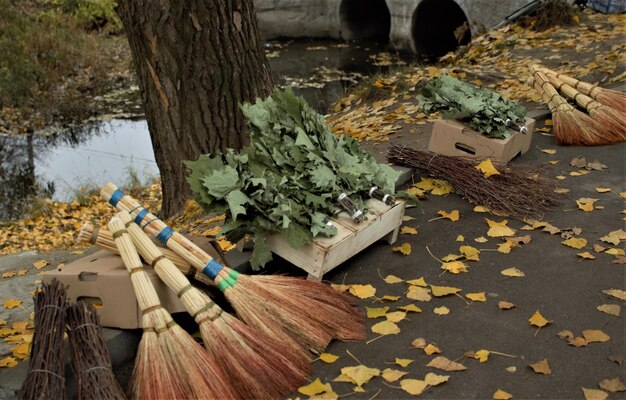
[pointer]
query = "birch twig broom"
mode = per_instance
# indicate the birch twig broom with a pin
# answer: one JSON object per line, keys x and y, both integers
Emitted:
{"x": 302, "y": 314}
{"x": 170, "y": 364}
{"x": 257, "y": 366}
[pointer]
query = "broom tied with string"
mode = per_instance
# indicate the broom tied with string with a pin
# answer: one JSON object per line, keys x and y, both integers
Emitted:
{"x": 609, "y": 97}
{"x": 90, "y": 356}
{"x": 301, "y": 314}
{"x": 515, "y": 191}
{"x": 169, "y": 362}
{"x": 613, "y": 120}
{"x": 256, "y": 365}
{"x": 571, "y": 126}
{"x": 46, "y": 378}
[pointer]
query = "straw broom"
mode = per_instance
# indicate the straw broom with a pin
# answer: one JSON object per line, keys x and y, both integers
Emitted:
{"x": 256, "y": 365}
{"x": 612, "y": 119}
{"x": 571, "y": 127}
{"x": 609, "y": 97}
{"x": 45, "y": 378}
{"x": 90, "y": 355}
{"x": 170, "y": 364}
{"x": 273, "y": 305}
{"x": 103, "y": 239}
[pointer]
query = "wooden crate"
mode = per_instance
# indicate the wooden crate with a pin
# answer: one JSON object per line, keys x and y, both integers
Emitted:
{"x": 325, "y": 253}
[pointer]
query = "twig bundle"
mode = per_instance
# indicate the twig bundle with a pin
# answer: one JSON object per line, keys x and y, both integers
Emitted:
{"x": 101, "y": 237}
{"x": 90, "y": 356}
{"x": 169, "y": 363}
{"x": 46, "y": 378}
{"x": 257, "y": 366}
{"x": 613, "y": 120}
{"x": 571, "y": 126}
{"x": 515, "y": 191}
{"x": 609, "y": 97}
{"x": 273, "y": 305}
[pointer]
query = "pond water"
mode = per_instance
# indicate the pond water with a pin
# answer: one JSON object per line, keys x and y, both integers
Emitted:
{"x": 88, "y": 156}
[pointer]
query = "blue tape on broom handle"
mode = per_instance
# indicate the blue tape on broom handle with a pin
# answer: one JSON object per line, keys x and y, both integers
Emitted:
{"x": 116, "y": 197}
{"x": 140, "y": 215}
{"x": 212, "y": 269}
{"x": 165, "y": 234}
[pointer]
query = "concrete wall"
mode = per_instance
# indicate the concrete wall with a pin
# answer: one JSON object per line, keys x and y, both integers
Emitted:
{"x": 323, "y": 18}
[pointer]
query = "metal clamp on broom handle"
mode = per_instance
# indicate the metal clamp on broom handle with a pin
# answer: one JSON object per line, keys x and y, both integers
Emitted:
{"x": 376, "y": 193}
{"x": 348, "y": 205}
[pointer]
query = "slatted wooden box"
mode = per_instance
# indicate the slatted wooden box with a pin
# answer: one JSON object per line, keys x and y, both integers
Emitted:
{"x": 326, "y": 253}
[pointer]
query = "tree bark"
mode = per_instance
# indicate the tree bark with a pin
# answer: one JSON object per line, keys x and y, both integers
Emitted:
{"x": 196, "y": 60}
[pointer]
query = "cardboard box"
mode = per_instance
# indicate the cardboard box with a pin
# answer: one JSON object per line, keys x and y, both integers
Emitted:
{"x": 453, "y": 138}
{"x": 102, "y": 278}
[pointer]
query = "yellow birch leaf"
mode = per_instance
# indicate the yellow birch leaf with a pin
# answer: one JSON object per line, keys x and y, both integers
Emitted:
{"x": 432, "y": 71}
{"x": 392, "y": 375}
{"x": 511, "y": 369}
{"x": 40, "y": 264}
{"x": 598, "y": 248}
{"x": 431, "y": 349}
{"x": 405, "y": 249}
{"x": 614, "y": 237}
{"x": 502, "y": 395}
{"x": 3, "y": 321}
{"x": 612, "y": 385}
{"x": 538, "y": 320}
{"x": 577, "y": 341}
{"x": 481, "y": 239}
{"x": 340, "y": 288}
{"x": 586, "y": 203}
{"x": 602, "y": 190}
{"x": 565, "y": 334}
{"x": 12, "y": 303}
{"x": 444, "y": 364}
{"x": 328, "y": 358}
{"x": 418, "y": 293}
{"x": 452, "y": 215}
{"x": 396, "y": 316}
{"x": 376, "y": 312}
{"x": 420, "y": 343}
{"x": 553, "y": 162}
{"x": 594, "y": 394}
{"x": 482, "y": 355}
{"x": 21, "y": 351}
{"x": 22, "y": 272}
{"x": 442, "y": 188}
{"x": 418, "y": 282}
{"x": 451, "y": 257}
{"x": 8, "y": 275}
{"x": 360, "y": 374}
{"x": 612, "y": 309}
{"x": 439, "y": 291}
{"x": 454, "y": 267}
{"x": 315, "y": 387}
{"x": 391, "y": 279}
{"x": 482, "y": 209}
{"x": 411, "y": 308}
{"x": 549, "y": 151}
{"x": 576, "y": 243}
{"x": 413, "y": 386}
{"x": 363, "y": 291}
{"x": 435, "y": 380}
{"x": 470, "y": 253}
{"x": 386, "y": 328}
{"x": 487, "y": 168}
{"x": 505, "y": 305}
{"x": 460, "y": 238}
{"x": 505, "y": 248}
{"x": 443, "y": 310}
{"x": 479, "y": 296}
{"x": 8, "y": 362}
{"x": 407, "y": 218}
{"x": 403, "y": 362}
{"x": 408, "y": 230}
{"x": 541, "y": 367}
{"x": 615, "y": 252}
{"x": 595, "y": 335}
{"x": 390, "y": 298}
{"x": 416, "y": 192}
{"x": 586, "y": 255}
{"x": 513, "y": 272}
{"x": 500, "y": 231}
{"x": 493, "y": 223}
{"x": 20, "y": 326}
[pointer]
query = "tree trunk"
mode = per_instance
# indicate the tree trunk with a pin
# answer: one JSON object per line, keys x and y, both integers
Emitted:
{"x": 197, "y": 60}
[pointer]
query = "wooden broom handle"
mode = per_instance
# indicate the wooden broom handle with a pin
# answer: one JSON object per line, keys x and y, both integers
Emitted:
{"x": 580, "y": 98}
{"x": 584, "y": 87}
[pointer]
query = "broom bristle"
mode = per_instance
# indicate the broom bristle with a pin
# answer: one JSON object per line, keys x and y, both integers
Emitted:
{"x": 611, "y": 98}
{"x": 612, "y": 120}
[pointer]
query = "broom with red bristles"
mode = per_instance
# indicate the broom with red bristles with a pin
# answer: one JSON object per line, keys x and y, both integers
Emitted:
{"x": 571, "y": 126}
{"x": 613, "y": 120}
{"x": 170, "y": 364}
{"x": 301, "y": 314}
{"x": 256, "y": 365}
{"x": 609, "y": 97}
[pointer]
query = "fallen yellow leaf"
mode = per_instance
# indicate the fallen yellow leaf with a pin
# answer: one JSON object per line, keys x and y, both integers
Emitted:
{"x": 487, "y": 168}
{"x": 549, "y": 151}
{"x": 443, "y": 363}
{"x": 411, "y": 308}
{"x": 405, "y": 249}
{"x": 392, "y": 375}
{"x": 460, "y": 238}
{"x": 8, "y": 275}
{"x": 595, "y": 335}
{"x": 502, "y": 395}
{"x": 433, "y": 379}
{"x": 386, "y": 328}
{"x": 577, "y": 341}
{"x": 418, "y": 282}
{"x": 505, "y": 305}
{"x": 315, "y": 387}
{"x": 12, "y": 303}
{"x": 418, "y": 293}
{"x": 439, "y": 291}
{"x": 482, "y": 355}
{"x": 586, "y": 255}
{"x": 612, "y": 309}
{"x": 454, "y": 267}
{"x": 22, "y": 272}
{"x": 541, "y": 367}
{"x": 376, "y": 312}
{"x": 363, "y": 291}
{"x": 576, "y": 243}
{"x": 513, "y": 272}
{"x": 612, "y": 385}
{"x": 443, "y": 310}
{"x": 413, "y": 386}
{"x": 479, "y": 296}
{"x": 391, "y": 279}
{"x": 396, "y": 316}
{"x": 360, "y": 374}
{"x": 481, "y": 239}
{"x": 431, "y": 349}
{"x": 482, "y": 209}
{"x": 586, "y": 203}
{"x": 420, "y": 343}
{"x": 602, "y": 190}
{"x": 328, "y": 358}
{"x": 408, "y": 230}
{"x": 40, "y": 264}
{"x": 470, "y": 253}
{"x": 390, "y": 298}
{"x": 615, "y": 252}
{"x": 403, "y": 362}
{"x": 452, "y": 215}
{"x": 594, "y": 394}
{"x": 21, "y": 351}
{"x": 538, "y": 320}
{"x": 8, "y": 362}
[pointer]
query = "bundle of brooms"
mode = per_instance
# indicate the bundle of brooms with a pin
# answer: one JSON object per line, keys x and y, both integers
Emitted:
{"x": 517, "y": 191}
{"x": 170, "y": 364}
{"x": 301, "y": 315}
{"x": 46, "y": 378}
{"x": 90, "y": 356}
{"x": 603, "y": 125}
